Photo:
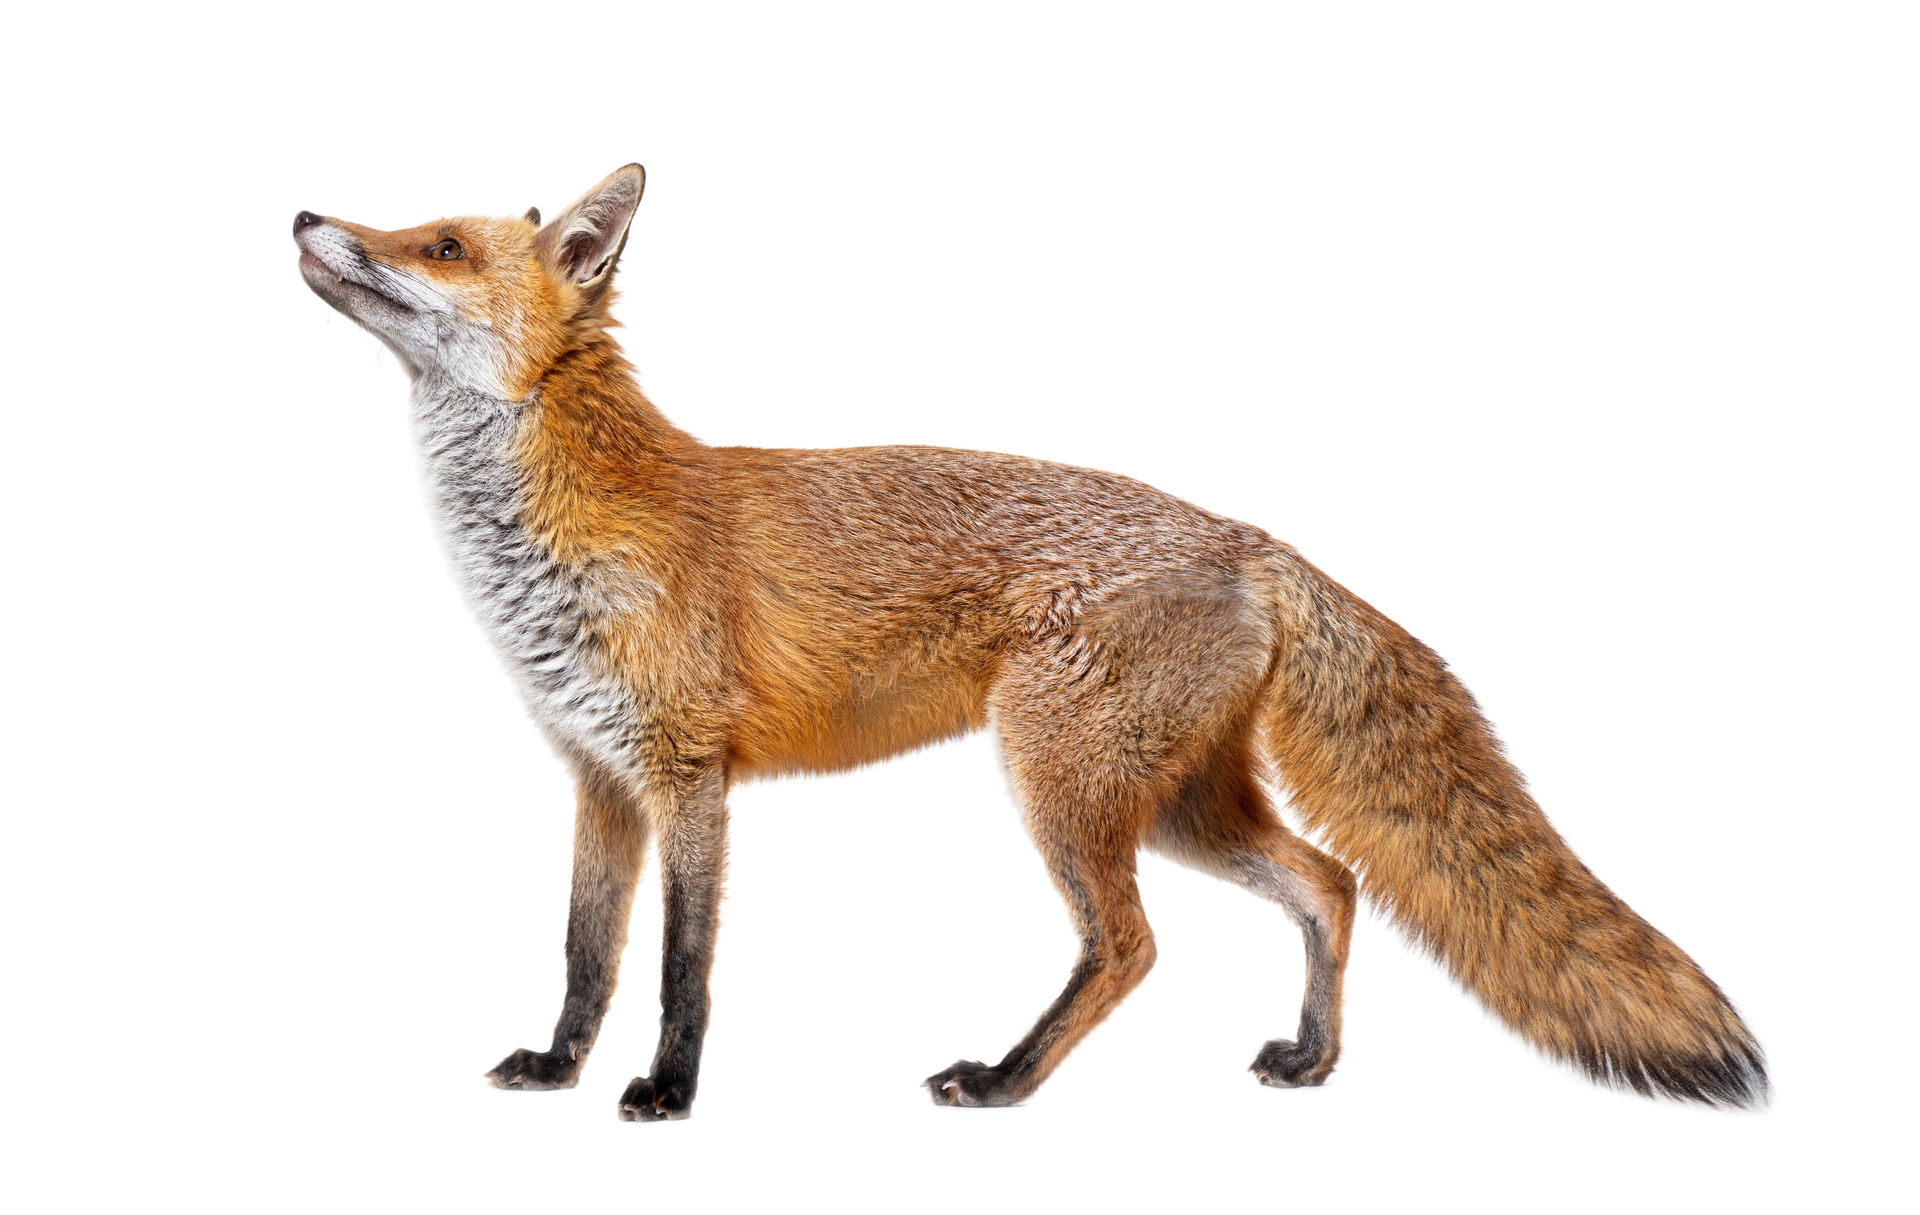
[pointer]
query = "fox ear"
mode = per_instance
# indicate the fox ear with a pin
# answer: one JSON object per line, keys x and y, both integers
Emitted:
{"x": 582, "y": 244}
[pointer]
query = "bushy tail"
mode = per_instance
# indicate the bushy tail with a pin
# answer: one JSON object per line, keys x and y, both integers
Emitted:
{"x": 1389, "y": 761}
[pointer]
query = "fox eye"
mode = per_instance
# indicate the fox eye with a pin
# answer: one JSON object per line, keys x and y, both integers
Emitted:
{"x": 447, "y": 251}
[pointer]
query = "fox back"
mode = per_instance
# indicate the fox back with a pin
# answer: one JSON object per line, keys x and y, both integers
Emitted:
{"x": 678, "y": 617}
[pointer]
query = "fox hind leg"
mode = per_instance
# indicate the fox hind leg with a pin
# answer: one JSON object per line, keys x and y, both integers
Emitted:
{"x": 1222, "y": 824}
{"x": 609, "y": 842}
{"x": 1093, "y": 868}
{"x": 1100, "y": 729}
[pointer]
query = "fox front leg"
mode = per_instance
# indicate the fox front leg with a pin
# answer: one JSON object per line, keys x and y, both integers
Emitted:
{"x": 609, "y": 840}
{"x": 696, "y": 828}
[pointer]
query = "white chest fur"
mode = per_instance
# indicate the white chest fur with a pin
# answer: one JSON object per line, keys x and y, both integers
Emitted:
{"x": 540, "y": 613}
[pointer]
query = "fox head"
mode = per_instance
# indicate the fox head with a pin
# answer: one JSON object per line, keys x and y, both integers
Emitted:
{"x": 480, "y": 304}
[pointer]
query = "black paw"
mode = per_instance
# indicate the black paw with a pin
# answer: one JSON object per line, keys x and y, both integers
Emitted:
{"x": 1282, "y": 1064}
{"x": 525, "y": 1069}
{"x": 970, "y": 1082}
{"x": 645, "y": 1101}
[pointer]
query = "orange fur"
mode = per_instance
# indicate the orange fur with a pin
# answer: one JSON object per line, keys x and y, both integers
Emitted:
{"x": 763, "y": 611}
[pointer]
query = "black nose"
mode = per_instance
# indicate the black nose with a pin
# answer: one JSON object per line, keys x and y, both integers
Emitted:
{"x": 303, "y": 221}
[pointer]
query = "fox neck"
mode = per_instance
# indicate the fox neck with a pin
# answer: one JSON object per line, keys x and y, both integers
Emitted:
{"x": 466, "y": 445}
{"x": 551, "y": 509}
{"x": 467, "y": 441}
{"x": 583, "y": 463}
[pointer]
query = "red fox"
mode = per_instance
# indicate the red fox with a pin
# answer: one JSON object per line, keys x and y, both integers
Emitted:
{"x": 679, "y": 617}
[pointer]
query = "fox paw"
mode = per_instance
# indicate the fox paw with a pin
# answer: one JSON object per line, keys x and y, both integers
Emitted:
{"x": 526, "y": 1069}
{"x": 970, "y": 1082}
{"x": 1283, "y": 1064}
{"x": 645, "y": 1101}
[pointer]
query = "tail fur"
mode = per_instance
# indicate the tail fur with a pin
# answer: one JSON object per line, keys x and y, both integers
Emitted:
{"x": 1388, "y": 759}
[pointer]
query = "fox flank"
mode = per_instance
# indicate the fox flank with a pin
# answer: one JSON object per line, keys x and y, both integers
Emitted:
{"x": 679, "y": 617}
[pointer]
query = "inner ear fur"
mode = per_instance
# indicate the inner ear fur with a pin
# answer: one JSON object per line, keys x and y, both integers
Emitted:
{"x": 582, "y": 244}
